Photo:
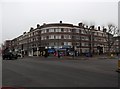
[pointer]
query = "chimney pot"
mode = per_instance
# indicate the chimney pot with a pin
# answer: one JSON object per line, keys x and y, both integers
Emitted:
{"x": 99, "y": 28}
{"x": 92, "y": 27}
{"x": 104, "y": 29}
{"x": 80, "y": 24}
{"x": 38, "y": 25}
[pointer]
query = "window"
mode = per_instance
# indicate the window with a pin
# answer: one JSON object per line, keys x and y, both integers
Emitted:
{"x": 65, "y": 36}
{"x": 83, "y": 44}
{"x": 65, "y": 30}
{"x": 58, "y": 37}
{"x": 82, "y": 38}
{"x": 65, "y": 43}
{"x": 54, "y": 30}
{"x": 42, "y": 38}
{"x": 62, "y": 43}
{"x": 43, "y": 31}
{"x": 69, "y": 43}
{"x": 73, "y": 30}
{"x": 36, "y": 38}
{"x": 33, "y": 39}
{"x": 86, "y": 44}
{"x": 77, "y": 30}
{"x": 62, "y": 37}
{"x": 58, "y": 30}
{"x": 51, "y": 30}
{"x": 69, "y": 30}
{"x": 83, "y": 32}
{"x": 62, "y": 29}
{"x": 51, "y": 44}
{"x": 77, "y": 43}
{"x": 47, "y": 37}
{"x": 54, "y": 37}
{"x": 33, "y": 33}
{"x": 99, "y": 34}
{"x": 55, "y": 43}
{"x": 47, "y": 30}
{"x": 95, "y": 39}
{"x": 95, "y": 33}
{"x": 77, "y": 37}
{"x": 36, "y": 33}
{"x": 86, "y": 38}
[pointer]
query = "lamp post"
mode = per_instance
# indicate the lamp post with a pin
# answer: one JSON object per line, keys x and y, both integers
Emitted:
{"x": 58, "y": 42}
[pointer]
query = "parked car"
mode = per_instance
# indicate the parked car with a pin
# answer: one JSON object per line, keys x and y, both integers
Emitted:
{"x": 19, "y": 55}
{"x": 9, "y": 56}
{"x": 88, "y": 54}
{"x": 71, "y": 53}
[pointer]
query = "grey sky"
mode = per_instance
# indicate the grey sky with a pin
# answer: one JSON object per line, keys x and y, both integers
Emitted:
{"x": 18, "y": 17}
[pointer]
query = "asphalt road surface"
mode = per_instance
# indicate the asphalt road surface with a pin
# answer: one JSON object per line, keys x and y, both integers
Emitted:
{"x": 40, "y": 72}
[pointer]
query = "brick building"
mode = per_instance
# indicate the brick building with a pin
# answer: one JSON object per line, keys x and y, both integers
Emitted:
{"x": 61, "y": 35}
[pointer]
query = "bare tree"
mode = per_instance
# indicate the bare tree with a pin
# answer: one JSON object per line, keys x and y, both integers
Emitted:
{"x": 111, "y": 33}
{"x": 89, "y": 32}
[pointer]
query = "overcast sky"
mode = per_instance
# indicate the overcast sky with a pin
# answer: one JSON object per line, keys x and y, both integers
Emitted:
{"x": 19, "y": 15}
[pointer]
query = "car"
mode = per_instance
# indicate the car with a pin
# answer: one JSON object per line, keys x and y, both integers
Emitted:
{"x": 19, "y": 55}
{"x": 71, "y": 53}
{"x": 9, "y": 56}
{"x": 88, "y": 54}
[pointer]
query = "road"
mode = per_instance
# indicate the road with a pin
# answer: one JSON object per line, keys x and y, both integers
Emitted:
{"x": 40, "y": 72}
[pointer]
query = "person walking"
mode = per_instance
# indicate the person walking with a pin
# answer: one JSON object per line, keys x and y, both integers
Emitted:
{"x": 58, "y": 54}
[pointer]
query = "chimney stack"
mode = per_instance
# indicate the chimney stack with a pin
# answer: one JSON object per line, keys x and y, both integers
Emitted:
{"x": 104, "y": 29}
{"x": 80, "y": 24}
{"x": 92, "y": 27}
{"x": 31, "y": 29}
{"x": 24, "y": 32}
{"x": 98, "y": 28}
{"x": 38, "y": 25}
{"x": 60, "y": 21}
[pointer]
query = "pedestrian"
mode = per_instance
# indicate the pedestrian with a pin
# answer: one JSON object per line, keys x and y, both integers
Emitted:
{"x": 58, "y": 54}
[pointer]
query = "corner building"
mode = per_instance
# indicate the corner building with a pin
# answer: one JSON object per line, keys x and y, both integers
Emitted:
{"x": 61, "y": 35}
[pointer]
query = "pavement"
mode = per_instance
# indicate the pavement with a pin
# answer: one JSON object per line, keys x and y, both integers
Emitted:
{"x": 77, "y": 57}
